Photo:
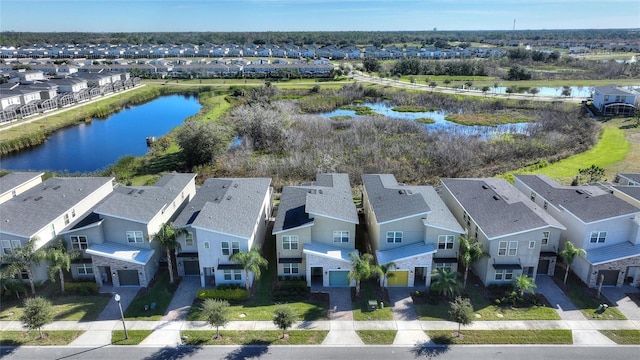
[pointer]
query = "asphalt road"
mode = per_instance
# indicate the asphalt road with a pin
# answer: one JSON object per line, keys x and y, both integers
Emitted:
{"x": 468, "y": 352}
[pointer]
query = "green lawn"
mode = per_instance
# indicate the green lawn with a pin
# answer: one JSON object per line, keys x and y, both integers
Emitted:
{"x": 66, "y": 307}
{"x": 610, "y": 149}
{"x": 135, "y": 337}
{"x": 30, "y": 338}
{"x": 253, "y": 337}
{"x": 360, "y": 311}
{"x": 377, "y": 337}
{"x": 446, "y": 337}
{"x": 626, "y": 337}
{"x": 160, "y": 294}
{"x": 588, "y": 306}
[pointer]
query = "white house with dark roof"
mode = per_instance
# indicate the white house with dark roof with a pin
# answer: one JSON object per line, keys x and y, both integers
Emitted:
{"x": 628, "y": 179}
{"x": 48, "y": 209}
{"x": 519, "y": 236}
{"x": 15, "y": 183}
{"x": 315, "y": 230}
{"x": 614, "y": 100}
{"x": 607, "y": 227}
{"x": 411, "y": 227}
{"x": 117, "y": 236}
{"x": 225, "y": 216}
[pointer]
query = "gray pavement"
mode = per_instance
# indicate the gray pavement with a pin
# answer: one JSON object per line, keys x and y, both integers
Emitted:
{"x": 410, "y": 331}
{"x": 558, "y": 300}
{"x": 111, "y": 311}
{"x": 340, "y": 308}
{"x": 619, "y": 298}
{"x": 182, "y": 299}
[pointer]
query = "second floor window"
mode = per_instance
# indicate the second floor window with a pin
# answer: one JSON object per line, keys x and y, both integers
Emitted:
{"x": 502, "y": 248}
{"x": 545, "y": 237}
{"x": 394, "y": 237}
{"x": 134, "y": 237}
{"x": 445, "y": 241}
{"x": 79, "y": 242}
{"x": 188, "y": 240}
{"x": 66, "y": 219}
{"x": 230, "y": 247}
{"x": 513, "y": 248}
{"x": 598, "y": 236}
{"x": 290, "y": 242}
{"x": 8, "y": 246}
{"x": 340, "y": 236}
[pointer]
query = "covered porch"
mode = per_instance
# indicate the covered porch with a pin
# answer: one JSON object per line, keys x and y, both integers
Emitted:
{"x": 413, "y": 264}
{"x": 121, "y": 264}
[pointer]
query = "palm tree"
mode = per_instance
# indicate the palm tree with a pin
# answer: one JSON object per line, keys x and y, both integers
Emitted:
{"x": 470, "y": 251}
{"x": 384, "y": 270}
{"x": 59, "y": 261}
{"x": 168, "y": 239}
{"x": 446, "y": 282}
{"x": 251, "y": 261}
{"x": 21, "y": 259}
{"x": 569, "y": 254}
{"x": 523, "y": 284}
{"x": 362, "y": 269}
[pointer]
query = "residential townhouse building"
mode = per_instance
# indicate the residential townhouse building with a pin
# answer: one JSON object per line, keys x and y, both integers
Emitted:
{"x": 117, "y": 236}
{"x": 315, "y": 229}
{"x": 15, "y": 183}
{"x": 627, "y": 188}
{"x": 226, "y": 216}
{"x": 46, "y": 210}
{"x": 411, "y": 227}
{"x": 519, "y": 236}
{"x": 614, "y": 100}
{"x": 605, "y": 226}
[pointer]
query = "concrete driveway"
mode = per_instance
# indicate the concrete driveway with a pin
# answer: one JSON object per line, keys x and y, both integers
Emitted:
{"x": 619, "y": 298}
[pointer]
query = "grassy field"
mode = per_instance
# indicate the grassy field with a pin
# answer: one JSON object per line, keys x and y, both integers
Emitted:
{"x": 65, "y": 307}
{"x": 480, "y": 81}
{"x": 377, "y": 337}
{"x": 612, "y": 148}
{"x": 30, "y": 338}
{"x": 253, "y": 337}
{"x": 446, "y": 337}
{"x": 135, "y": 337}
{"x": 588, "y": 305}
{"x": 360, "y": 311}
{"x": 625, "y": 337}
{"x": 159, "y": 293}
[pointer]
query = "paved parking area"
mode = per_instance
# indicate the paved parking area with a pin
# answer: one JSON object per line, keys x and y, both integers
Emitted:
{"x": 619, "y": 298}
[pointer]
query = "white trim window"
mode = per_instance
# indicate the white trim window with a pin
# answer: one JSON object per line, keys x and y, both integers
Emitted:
{"x": 79, "y": 242}
{"x": 52, "y": 228}
{"x": 232, "y": 274}
{"x": 513, "y": 248}
{"x": 545, "y": 237}
{"x": 291, "y": 268}
{"x": 66, "y": 219}
{"x": 230, "y": 247}
{"x": 532, "y": 244}
{"x": 8, "y": 246}
{"x": 504, "y": 275}
{"x": 290, "y": 242}
{"x": 85, "y": 269}
{"x": 502, "y": 248}
{"x": 206, "y": 245}
{"x": 445, "y": 242}
{"x": 394, "y": 237}
{"x": 134, "y": 237}
{"x": 340, "y": 236}
{"x": 188, "y": 238}
{"x": 444, "y": 266}
{"x": 598, "y": 237}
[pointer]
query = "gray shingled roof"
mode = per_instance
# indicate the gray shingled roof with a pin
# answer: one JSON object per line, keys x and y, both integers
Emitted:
{"x": 330, "y": 196}
{"x": 633, "y": 177}
{"x": 229, "y": 206}
{"x": 633, "y": 191}
{"x": 15, "y": 179}
{"x": 29, "y": 212}
{"x": 497, "y": 207}
{"x": 142, "y": 203}
{"x": 588, "y": 203}
{"x": 391, "y": 201}
{"x": 613, "y": 90}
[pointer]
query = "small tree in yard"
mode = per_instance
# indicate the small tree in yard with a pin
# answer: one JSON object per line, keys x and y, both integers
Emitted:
{"x": 217, "y": 314}
{"x": 445, "y": 282}
{"x": 37, "y": 313}
{"x": 569, "y": 254}
{"x": 21, "y": 259}
{"x": 384, "y": 271}
{"x": 523, "y": 284}
{"x": 592, "y": 174}
{"x": 59, "y": 261}
{"x": 461, "y": 311}
{"x": 167, "y": 237}
{"x": 470, "y": 251}
{"x": 251, "y": 261}
{"x": 284, "y": 318}
{"x": 362, "y": 269}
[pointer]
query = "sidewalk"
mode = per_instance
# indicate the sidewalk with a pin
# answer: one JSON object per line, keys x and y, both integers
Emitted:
{"x": 410, "y": 331}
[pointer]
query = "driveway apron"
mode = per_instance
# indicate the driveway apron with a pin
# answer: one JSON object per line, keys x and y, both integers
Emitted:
{"x": 182, "y": 299}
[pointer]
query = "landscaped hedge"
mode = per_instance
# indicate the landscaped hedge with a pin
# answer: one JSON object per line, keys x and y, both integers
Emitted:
{"x": 82, "y": 288}
{"x": 231, "y": 295}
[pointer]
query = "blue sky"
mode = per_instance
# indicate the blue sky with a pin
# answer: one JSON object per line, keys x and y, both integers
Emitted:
{"x": 314, "y": 15}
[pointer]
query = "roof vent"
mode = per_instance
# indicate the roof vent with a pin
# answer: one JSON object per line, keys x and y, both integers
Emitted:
{"x": 229, "y": 197}
{"x": 140, "y": 191}
{"x": 224, "y": 186}
{"x": 580, "y": 191}
{"x": 131, "y": 192}
{"x": 496, "y": 197}
{"x": 38, "y": 198}
{"x": 319, "y": 191}
{"x": 235, "y": 185}
{"x": 485, "y": 187}
{"x": 401, "y": 192}
{"x": 56, "y": 187}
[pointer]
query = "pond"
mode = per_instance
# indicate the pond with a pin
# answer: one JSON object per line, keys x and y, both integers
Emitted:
{"x": 440, "y": 123}
{"x": 95, "y": 145}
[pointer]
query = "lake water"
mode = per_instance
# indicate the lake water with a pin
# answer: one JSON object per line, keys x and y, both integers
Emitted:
{"x": 440, "y": 123}
{"x": 97, "y": 144}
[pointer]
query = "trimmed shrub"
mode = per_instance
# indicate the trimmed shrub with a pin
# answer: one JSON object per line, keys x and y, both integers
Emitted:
{"x": 82, "y": 288}
{"x": 231, "y": 295}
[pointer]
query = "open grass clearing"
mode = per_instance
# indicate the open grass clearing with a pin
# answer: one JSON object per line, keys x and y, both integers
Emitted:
{"x": 449, "y": 337}
{"x": 587, "y": 304}
{"x": 31, "y": 338}
{"x": 624, "y": 337}
{"x": 253, "y": 337}
{"x": 135, "y": 337}
{"x": 377, "y": 337}
{"x": 159, "y": 292}
{"x": 370, "y": 291}
{"x": 487, "y": 312}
